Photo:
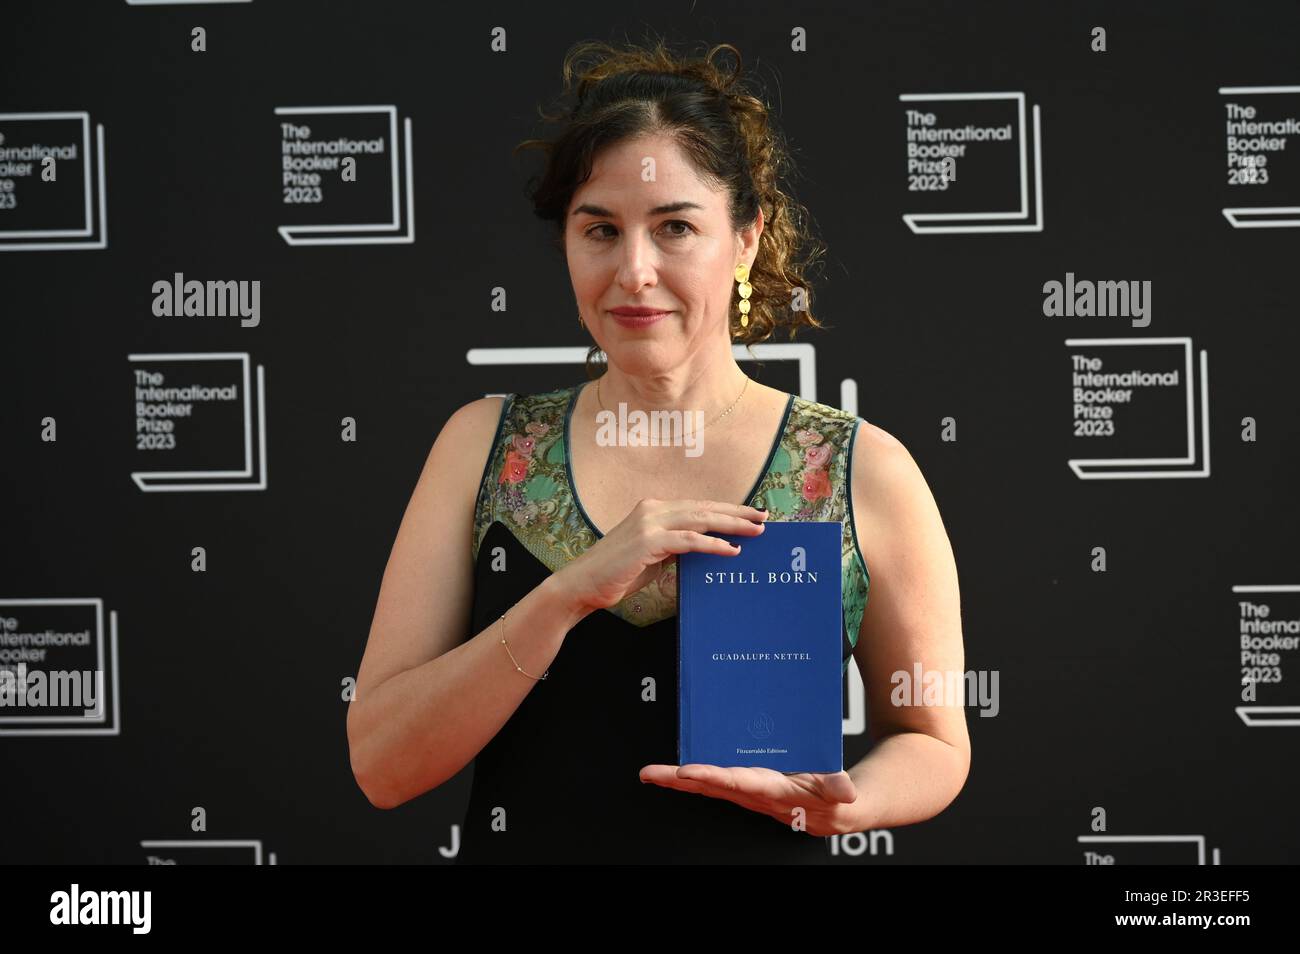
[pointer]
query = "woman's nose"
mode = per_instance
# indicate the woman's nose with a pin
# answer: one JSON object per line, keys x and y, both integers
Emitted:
{"x": 637, "y": 267}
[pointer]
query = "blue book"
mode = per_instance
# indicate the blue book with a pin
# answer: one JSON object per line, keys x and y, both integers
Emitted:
{"x": 759, "y": 644}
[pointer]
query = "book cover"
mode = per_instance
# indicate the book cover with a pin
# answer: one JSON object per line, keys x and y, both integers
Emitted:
{"x": 759, "y": 638}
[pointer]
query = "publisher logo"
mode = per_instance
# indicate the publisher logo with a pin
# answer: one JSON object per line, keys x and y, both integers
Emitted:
{"x": 761, "y": 726}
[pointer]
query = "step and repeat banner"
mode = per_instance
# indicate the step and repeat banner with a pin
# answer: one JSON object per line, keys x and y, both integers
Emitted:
{"x": 254, "y": 254}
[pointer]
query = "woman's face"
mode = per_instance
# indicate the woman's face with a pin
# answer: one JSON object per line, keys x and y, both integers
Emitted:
{"x": 644, "y": 231}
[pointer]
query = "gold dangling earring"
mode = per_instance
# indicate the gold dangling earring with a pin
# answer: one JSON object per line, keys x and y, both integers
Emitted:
{"x": 581, "y": 323}
{"x": 744, "y": 289}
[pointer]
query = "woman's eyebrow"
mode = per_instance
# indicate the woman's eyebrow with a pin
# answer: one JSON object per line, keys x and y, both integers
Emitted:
{"x": 657, "y": 210}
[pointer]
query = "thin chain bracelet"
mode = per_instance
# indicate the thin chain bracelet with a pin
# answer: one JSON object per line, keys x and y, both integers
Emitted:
{"x": 512, "y": 655}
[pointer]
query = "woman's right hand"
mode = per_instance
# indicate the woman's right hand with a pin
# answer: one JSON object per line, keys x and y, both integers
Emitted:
{"x": 630, "y": 556}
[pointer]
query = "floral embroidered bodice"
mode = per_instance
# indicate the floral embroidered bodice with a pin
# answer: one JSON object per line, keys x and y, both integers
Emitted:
{"x": 527, "y": 486}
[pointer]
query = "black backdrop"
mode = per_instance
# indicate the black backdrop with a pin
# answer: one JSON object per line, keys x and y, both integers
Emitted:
{"x": 1119, "y": 690}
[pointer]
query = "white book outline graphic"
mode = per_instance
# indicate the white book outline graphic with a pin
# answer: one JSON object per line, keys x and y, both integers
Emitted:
{"x": 153, "y": 481}
{"x": 339, "y": 234}
{"x": 1099, "y": 465}
{"x": 255, "y": 844}
{"x": 916, "y": 221}
{"x": 1238, "y": 216}
{"x": 1197, "y": 840}
{"x": 1257, "y": 717}
{"x": 90, "y": 204}
{"x": 92, "y": 716}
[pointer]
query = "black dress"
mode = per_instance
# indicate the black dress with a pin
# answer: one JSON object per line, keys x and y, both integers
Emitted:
{"x": 562, "y": 773}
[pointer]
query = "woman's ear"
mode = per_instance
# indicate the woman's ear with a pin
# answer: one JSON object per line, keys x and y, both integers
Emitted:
{"x": 748, "y": 238}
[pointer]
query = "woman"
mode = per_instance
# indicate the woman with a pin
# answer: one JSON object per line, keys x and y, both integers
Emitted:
{"x": 545, "y": 650}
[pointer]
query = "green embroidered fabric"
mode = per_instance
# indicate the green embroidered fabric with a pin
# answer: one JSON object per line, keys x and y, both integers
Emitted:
{"x": 528, "y": 488}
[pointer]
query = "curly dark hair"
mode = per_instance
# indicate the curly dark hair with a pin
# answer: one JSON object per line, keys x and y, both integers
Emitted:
{"x": 725, "y": 130}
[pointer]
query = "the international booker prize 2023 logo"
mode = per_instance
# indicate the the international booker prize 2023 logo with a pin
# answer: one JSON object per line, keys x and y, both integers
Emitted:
{"x": 969, "y": 163}
{"x": 52, "y": 183}
{"x": 344, "y": 177}
{"x": 200, "y": 425}
{"x": 58, "y": 668}
{"x": 1262, "y": 173}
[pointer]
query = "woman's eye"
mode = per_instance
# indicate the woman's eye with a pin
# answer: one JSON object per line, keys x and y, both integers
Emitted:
{"x": 595, "y": 231}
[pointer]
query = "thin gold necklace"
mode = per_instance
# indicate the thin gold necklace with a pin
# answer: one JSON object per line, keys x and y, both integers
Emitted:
{"x": 714, "y": 421}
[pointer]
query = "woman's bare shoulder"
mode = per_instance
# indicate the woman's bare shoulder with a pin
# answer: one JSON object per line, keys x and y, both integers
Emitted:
{"x": 470, "y": 428}
{"x": 475, "y": 422}
{"x": 887, "y": 481}
{"x": 873, "y": 441}
{"x": 459, "y": 453}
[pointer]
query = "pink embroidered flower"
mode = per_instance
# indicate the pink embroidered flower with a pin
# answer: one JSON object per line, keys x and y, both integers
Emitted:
{"x": 818, "y": 455}
{"x": 537, "y": 428}
{"x": 515, "y": 469}
{"x": 524, "y": 445}
{"x": 816, "y": 485}
{"x": 806, "y": 437}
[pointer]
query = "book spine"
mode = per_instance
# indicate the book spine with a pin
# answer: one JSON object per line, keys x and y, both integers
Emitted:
{"x": 682, "y": 688}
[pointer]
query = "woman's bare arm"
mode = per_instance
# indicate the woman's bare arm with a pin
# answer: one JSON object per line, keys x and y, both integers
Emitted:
{"x": 921, "y": 754}
{"x": 426, "y": 701}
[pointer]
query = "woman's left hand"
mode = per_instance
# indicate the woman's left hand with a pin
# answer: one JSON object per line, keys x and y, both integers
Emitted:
{"x": 827, "y": 799}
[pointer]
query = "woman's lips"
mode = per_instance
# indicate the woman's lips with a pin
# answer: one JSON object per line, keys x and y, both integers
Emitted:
{"x": 638, "y": 320}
